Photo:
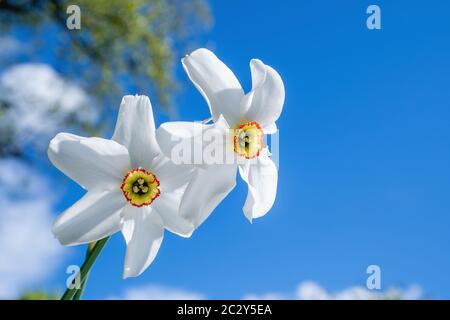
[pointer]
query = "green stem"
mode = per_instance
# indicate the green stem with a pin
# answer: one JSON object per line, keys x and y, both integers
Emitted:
{"x": 80, "y": 291}
{"x": 91, "y": 256}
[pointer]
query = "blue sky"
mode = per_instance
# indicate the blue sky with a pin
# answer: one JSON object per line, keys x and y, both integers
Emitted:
{"x": 364, "y": 156}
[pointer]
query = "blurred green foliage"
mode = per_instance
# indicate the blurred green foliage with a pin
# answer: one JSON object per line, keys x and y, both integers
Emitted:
{"x": 123, "y": 47}
{"x": 119, "y": 41}
{"x": 38, "y": 295}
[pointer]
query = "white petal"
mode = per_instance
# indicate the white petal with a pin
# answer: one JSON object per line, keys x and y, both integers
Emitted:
{"x": 265, "y": 102}
{"x": 143, "y": 232}
{"x": 216, "y": 82}
{"x": 95, "y": 216}
{"x": 135, "y": 129}
{"x": 167, "y": 205}
{"x": 171, "y": 176}
{"x": 206, "y": 190}
{"x": 189, "y": 142}
{"x": 94, "y": 163}
{"x": 262, "y": 178}
{"x": 177, "y": 140}
{"x": 270, "y": 129}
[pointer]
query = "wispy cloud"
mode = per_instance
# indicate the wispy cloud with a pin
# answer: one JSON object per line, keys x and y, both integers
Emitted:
{"x": 37, "y": 102}
{"x": 28, "y": 252}
{"x": 156, "y": 292}
{"x": 307, "y": 290}
{"x": 310, "y": 290}
{"x": 10, "y": 46}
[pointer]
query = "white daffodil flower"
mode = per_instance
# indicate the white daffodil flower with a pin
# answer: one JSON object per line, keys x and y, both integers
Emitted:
{"x": 130, "y": 186}
{"x": 246, "y": 118}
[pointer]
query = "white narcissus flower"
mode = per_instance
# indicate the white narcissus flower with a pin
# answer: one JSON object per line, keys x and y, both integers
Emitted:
{"x": 130, "y": 186}
{"x": 249, "y": 116}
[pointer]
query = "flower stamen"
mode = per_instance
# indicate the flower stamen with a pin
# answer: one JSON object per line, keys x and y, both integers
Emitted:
{"x": 248, "y": 140}
{"x": 140, "y": 187}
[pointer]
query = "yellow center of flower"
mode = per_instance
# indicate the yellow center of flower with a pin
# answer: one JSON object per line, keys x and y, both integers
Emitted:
{"x": 140, "y": 187}
{"x": 248, "y": 140}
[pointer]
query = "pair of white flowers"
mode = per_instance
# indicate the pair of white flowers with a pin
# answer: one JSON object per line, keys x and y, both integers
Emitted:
{"x": 134, "y": 187}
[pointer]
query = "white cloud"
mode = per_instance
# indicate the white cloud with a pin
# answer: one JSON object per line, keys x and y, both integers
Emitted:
{"x": 38, "y": 103}
{"x": 10, "y": 46}
{"x": 155, "y": 292}
{"x": 266, "y": 296}
{"x": 307, "y": 290}
{"x": 28, "y": 252}
{"x": 16, "y": 178}
{"x": 310, "y": 290}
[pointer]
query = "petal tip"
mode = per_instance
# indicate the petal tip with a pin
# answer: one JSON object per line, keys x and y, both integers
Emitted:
{"x": 190, "y": 232}
{"x": 248, "y": 215}
{"x": 256, "y": 61}
{"x": 128, "y": 273}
